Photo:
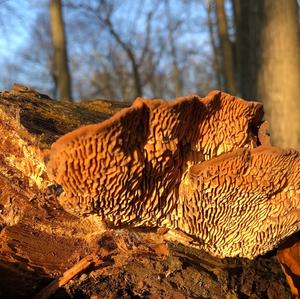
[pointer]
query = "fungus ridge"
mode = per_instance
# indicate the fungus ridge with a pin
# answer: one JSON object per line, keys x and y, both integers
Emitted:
{"x": 149, "y": 166}
{"x": 129, "y": 168}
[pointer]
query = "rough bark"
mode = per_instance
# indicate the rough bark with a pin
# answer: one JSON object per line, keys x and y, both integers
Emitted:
{"x": 226, "y": 49}
{"x": 61, "y": 68}
{"x": 44, "y": 250}
{"x": 270, "y": 55}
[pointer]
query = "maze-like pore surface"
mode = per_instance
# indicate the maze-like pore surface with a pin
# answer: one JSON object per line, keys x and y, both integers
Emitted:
{"x": 244, "y": 202}
{"x": 138, "y": 168}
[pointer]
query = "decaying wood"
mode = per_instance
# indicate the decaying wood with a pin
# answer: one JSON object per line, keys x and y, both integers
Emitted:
{"x": 289, "y": 258}
{"x": 57, "y": 283}
{"x": 40, "y": 241}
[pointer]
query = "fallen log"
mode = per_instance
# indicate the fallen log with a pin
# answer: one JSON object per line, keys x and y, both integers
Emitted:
{"x": 42, "y": 243}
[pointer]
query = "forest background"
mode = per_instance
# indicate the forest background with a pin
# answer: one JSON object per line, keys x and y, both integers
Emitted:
{"x": 118, "y": 50}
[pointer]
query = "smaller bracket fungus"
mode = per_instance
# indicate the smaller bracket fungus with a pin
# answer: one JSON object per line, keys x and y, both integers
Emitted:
{"x": 242, "y": 203}
{"x": 139, "y": 168}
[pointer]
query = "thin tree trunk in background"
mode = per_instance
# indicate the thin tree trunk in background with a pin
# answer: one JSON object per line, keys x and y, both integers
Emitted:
{"x": 176, "y": 72}
{"x": 237, "y": 59}
{"x": 130, "y": 54}
{"x": 60, "y": 51}
{"x": 271, "y": 64}
{"x": 227, "y": 49}
{"x": 215, "y": 60}
{"x": 136, "y": 75}
{"x": 176, "y": 76}
{"x": 251, "y": 16}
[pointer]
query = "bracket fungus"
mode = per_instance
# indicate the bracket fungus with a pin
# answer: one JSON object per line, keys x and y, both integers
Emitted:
{"x": 201, "y": 166}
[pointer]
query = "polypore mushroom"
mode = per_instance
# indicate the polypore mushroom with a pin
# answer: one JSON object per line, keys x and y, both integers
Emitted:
{"x": 242, "y": 203}
{"x": 135, "y": 168}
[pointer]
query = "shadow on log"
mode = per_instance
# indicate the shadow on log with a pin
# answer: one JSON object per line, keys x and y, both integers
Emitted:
{"x": 45, "y": 251}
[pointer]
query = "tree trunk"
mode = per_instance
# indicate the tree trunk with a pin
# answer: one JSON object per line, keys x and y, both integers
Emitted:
{"x": 60, "y": 51}
{"x": 226, "y": 49}
{"x": 237, "y": 43}
{"x": 136, "y": 74}
{"x": 177, "y": 77}
{"x": 138, "y": 89}
{"x": 176, "y": 73}
{"x": 135, "y": 66}
{"x": 271, "y": 64}
{"x": 216, "y": 55}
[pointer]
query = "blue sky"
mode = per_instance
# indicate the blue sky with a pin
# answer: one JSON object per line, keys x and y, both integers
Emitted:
{"x": 17, "y": 18}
